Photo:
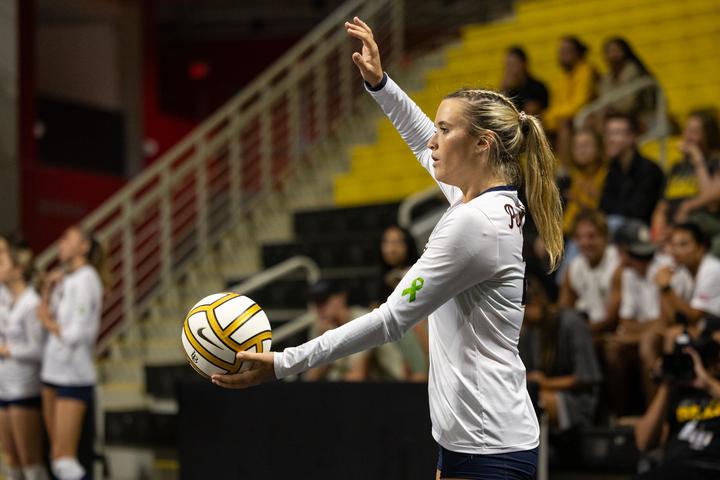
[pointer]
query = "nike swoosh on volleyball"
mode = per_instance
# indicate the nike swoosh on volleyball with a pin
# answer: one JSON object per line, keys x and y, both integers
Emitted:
{"x": 202, "y": 335}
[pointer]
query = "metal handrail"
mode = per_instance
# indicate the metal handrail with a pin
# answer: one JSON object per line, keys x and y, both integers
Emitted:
{"x": 282, "y": 269}
{"x": 239, "y": 156}
{"x": 661, "y": 127}
{"x": 411, "y": 202}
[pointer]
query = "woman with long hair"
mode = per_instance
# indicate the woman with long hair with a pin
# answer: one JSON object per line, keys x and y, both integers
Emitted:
{"x": 70, "y": 311}
{"x": 469, "y": 280}
{"x": 691, "y": 182}
{"x": 586, "y": 177}
{"x": 21, "y": 347}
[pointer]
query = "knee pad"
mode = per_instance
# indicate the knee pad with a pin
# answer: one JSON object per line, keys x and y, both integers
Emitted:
{"x": 67, "y": 468}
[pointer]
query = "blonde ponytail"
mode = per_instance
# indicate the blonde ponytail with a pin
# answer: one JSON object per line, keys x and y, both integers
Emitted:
{"x": 519, "y": 135}
{"x": 541, "y": 191}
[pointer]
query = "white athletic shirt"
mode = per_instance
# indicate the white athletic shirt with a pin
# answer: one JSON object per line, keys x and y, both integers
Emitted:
{"x": 77, "y": 305}
{"x": 25, "y": 338}
{"x": 706, "y": 295}
{"x": 640, "y": 297}
{"x": 592, "y": 284}
{"x": 469, "y": 282}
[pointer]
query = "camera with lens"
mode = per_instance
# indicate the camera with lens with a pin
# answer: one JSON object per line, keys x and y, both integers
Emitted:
{"x": 677, "y": 367}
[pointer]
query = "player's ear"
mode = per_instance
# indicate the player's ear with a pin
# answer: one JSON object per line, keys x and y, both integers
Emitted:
{"x": 483, "y": 143}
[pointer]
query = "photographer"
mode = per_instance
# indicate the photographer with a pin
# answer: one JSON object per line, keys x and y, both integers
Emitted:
{"x": 684, "y": 416}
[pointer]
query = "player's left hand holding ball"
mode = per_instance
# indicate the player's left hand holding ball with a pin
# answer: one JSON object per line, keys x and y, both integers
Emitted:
{"x": 262, "y": 369}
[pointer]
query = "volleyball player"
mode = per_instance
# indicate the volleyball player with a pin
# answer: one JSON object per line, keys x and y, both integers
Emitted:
{"x": 70, "y": 311}
{"x": 20, "y": 354}
{"x": 469, "y": 280}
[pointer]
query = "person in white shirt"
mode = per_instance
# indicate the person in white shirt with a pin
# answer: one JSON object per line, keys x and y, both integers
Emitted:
{"x": 20, "y": 353}
{"x": 588, "y": 280}
{"x": 469, "y": 280}
{"x": 70, "y": 310}
{"x": 689, "y": 247}
{"x": 633, "y": 346}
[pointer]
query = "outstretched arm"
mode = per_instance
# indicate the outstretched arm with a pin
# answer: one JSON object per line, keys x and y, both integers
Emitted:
{"x": 415, "y": 128}
{"x": 462, "y": 253}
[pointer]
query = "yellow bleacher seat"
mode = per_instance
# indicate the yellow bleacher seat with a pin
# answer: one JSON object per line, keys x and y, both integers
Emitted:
{"x": 678, "y": 41}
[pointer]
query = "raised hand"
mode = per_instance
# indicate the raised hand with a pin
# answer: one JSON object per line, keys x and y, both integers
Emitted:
{"x": 262, "y": 369}
{"x": 368, "y": 62}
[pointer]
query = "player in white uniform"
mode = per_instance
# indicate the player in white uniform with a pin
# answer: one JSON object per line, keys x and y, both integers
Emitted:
{"x": 20, "y": 354}
{"x": 70, "y": 310}
{"x": 469, "y": 280}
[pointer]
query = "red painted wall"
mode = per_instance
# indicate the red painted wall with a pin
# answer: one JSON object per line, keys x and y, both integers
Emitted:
{"x": 54, "y": 198}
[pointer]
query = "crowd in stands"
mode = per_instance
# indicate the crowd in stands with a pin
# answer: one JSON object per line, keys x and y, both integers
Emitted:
{"x": 626, "y": 331}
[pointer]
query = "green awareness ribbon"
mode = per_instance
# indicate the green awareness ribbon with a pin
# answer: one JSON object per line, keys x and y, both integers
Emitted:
{"x": 416, "y": 285}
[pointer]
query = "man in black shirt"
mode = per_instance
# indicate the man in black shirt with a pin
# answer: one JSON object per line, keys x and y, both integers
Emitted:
{"x": 687, "y": 414}
{"x": 526, "y": 92}
{"x": 633, "y": 184}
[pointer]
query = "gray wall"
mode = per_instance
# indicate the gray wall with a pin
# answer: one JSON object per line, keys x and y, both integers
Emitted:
{"x": 9, "y": 101}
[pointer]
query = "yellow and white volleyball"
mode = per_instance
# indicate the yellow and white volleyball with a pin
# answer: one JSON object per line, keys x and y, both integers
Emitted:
{"x": 219, "y": 326}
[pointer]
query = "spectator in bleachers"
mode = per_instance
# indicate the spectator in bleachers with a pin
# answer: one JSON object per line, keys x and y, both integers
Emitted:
{"x": 399, "y": 252}
{"x": 587, "y": 283}
{"x": 330, "y": 309}
{"x": 586, "y": 177}
{"x": 557, "y": 350}
{"x": 624, "y": 68}
{"x": 684, "y": 418}
{"x": 689, "y": 248}
{"x": 634, "y": 184}
{"x": 693, "y": 185}
{"x": 575, "y": 88}
{"x": 634, "y": 348}
{"x": 527, "y": 92}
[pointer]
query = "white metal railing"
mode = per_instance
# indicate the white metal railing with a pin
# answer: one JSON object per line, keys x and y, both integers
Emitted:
{"x": 282, "y": 269}
{"x": 660, "y": 128}
{"x": 178, "y": 206}
{"x": 411, "y": 202}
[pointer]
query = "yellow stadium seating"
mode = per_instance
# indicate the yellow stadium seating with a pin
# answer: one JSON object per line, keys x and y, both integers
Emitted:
{"x": 678, "y": 41}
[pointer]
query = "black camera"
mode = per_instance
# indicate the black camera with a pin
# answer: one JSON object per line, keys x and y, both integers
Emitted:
{"x": 678, "y": 365}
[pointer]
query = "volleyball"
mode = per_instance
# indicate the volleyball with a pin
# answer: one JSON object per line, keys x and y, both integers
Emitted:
{"x": 219, "y": 326}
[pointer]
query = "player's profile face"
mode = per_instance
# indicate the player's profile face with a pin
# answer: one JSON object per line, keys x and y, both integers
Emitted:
{"x": 70, "y": 244}
{"x": 453, "y": 148}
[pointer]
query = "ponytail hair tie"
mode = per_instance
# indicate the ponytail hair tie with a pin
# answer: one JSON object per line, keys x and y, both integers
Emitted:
{"x": 522, "y": 116}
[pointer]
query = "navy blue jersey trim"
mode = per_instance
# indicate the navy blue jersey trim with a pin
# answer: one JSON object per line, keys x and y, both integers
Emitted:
{"x": 379, "y": 86}
{"x": 500, "y": 188}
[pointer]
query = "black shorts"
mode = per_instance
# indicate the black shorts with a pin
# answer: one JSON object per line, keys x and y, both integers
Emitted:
{"x": 84, "y": 393}
{"x": 501, "y": 466}
{"x": 28, "y": 402}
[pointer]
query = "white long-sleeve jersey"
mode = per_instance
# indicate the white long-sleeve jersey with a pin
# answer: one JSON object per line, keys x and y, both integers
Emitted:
{"x": 69, "y": 358}
{"x": 470, "y": 282}
{"x": 24, "y": 338}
